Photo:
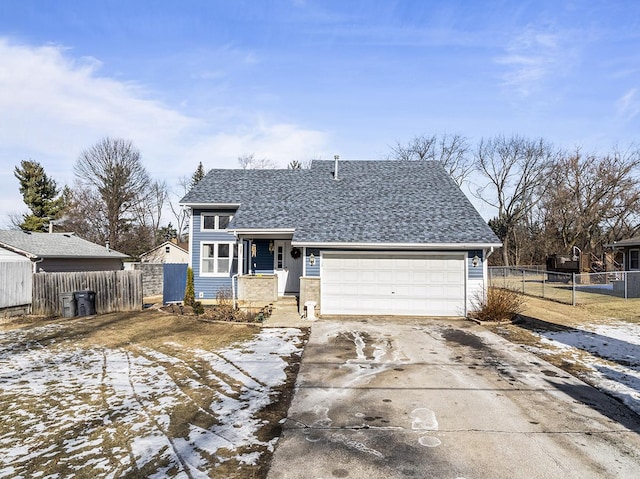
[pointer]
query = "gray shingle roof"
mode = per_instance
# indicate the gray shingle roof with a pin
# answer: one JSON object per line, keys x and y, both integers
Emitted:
{"x": 54, "y": 245}
{"x": 635, "y": 241}
{"x": 400, "y": 202}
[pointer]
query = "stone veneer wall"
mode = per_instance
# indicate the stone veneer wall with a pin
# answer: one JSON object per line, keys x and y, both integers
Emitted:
{"x": 257, "y": 290}
{"x": 152, "y": 277}
{"x": 309, "y": 291}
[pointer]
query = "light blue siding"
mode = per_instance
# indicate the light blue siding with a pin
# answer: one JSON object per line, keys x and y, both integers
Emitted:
{"x": 315, "y": 269}
{"x": 477, "y": 271}
{"x": 208, "y": 285}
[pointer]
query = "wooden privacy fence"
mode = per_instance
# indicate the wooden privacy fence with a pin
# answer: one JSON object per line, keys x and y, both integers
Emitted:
{"x": 115, "y": 290}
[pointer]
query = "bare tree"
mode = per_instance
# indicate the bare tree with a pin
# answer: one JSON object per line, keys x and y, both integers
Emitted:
{"x": 113, "y": 172}
{"x": 181, "y": 214}
{"x": 517, "y": 169}
{"x": 86, "y": 215}
{"x": 248, "y": 161}
{"x": 451, "y": 150}
{"x": 596, "y": 199}
{"x": 148, "y": 210}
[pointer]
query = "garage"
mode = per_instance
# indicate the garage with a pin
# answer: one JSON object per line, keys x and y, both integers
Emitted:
{"x": 404, "y": 284}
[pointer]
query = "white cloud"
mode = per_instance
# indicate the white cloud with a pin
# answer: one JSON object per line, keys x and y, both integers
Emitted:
{"x": 531, "y": 58}
{"x": 52, "y": 106}
{"x": 629, "y": 104}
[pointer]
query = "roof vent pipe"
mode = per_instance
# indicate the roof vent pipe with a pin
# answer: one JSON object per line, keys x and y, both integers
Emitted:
{"x": 335, "y": 167}
{"x": 107, "y": 245}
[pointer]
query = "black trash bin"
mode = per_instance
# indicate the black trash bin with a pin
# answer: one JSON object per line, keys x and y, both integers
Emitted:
{"x": 85, "y": 303}
{"x": 68, "y": 305}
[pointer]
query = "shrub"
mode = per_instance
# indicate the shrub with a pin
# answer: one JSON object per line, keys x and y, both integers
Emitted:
{"x": 498, "y": 304}
{"x": 224, "y": 310}
{"x": 189, "y": 291}
{"x": 198, "y": 309}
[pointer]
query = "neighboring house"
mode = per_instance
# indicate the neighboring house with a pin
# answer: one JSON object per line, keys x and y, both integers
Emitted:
{"x": 630, "y": 248}
{"x": 60, "y": 252}
{"x": 167, "y": 252}
{"x": 355, "y": 237}
{"x": 630, "y": 252}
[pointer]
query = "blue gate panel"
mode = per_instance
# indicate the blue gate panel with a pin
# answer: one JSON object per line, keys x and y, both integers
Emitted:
{"x": 174, "y": 282}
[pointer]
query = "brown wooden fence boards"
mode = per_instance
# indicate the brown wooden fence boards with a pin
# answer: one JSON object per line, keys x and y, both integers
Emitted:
{"x": 115, "y": 290}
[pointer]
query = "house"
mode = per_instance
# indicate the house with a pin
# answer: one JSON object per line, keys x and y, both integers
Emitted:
{"x": 167, "y": 252}
{"x": 630, "y": 252}
{"x": 354, "y": 237}
{"x": 60, "y": 252}
{"x": 630, "y": 248}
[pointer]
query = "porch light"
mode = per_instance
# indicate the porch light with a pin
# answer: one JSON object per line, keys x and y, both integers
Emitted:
{"x": 312, "y": 260}
{"x": 475, "y": 261}
{"x": 270, "y": 246}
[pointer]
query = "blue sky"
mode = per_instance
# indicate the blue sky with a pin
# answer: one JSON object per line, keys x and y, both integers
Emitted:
{"x": 208, "y": 81}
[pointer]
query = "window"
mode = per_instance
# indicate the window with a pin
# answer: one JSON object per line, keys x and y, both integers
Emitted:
{"x": 167, "y": 249}
{"x": 280, "y": 257}
{"x": 213, "y": 221}
{"x": 216, "y": 258}
{"x": 634, "y": 259}
{"x": 223, "y": 221}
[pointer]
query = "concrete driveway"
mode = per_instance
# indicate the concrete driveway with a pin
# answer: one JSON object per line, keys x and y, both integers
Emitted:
{"x": 445, "y": 399}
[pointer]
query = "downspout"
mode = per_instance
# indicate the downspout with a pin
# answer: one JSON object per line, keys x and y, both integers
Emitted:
{"x": 35, "y": 263}
{"x": 234, "y": 278}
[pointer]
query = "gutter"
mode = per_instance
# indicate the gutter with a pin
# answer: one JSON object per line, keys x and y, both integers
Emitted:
{"x": 399, "y": 246}
{"x": 210, "y": 205}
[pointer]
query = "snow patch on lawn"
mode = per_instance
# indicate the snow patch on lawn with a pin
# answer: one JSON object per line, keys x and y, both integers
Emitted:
{"x": 610, "y": 352}
{"x": 105, "y": 413}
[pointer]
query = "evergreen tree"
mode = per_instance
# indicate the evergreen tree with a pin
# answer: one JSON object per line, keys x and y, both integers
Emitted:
{"x": 189, "y": 292}
{"x": 197, "y": 175}
{"x": 40, "y": 194}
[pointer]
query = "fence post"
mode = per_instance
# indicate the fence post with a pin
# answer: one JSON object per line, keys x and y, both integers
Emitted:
{"x": 544, "y": 278}
{"x": 523, "y": 292}
{"x": 626, "y": 282}
{"x": 573, "y": 290}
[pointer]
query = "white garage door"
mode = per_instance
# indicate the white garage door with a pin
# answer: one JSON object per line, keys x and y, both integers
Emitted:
{"x": 393, "y": 284}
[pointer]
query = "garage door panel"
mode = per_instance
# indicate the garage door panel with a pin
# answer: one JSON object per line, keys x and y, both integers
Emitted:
{"x": 393, "y": 284}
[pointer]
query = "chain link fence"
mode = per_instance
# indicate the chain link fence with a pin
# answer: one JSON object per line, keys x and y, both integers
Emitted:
{"x": 566, "y": 288}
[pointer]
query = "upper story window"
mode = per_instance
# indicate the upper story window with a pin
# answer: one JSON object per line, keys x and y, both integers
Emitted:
{"x": 215, "y": 221}
{"x": 634, "y": 259}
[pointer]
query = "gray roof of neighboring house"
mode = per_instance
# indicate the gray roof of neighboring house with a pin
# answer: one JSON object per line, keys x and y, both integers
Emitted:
{"x": 635, "y": 241}
{"x": 54, "y": 245}
{"x": 184, "y": 247}
{"x": 395, "y": 202}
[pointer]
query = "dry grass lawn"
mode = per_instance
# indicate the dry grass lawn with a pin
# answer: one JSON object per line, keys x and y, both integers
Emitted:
{"x": 142, "y": 394}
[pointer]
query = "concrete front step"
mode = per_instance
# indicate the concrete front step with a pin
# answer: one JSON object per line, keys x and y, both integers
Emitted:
{"x": 286, "y": 301}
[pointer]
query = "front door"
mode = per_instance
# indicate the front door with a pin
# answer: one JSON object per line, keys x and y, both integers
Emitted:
{"x": 287, "y": 265}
